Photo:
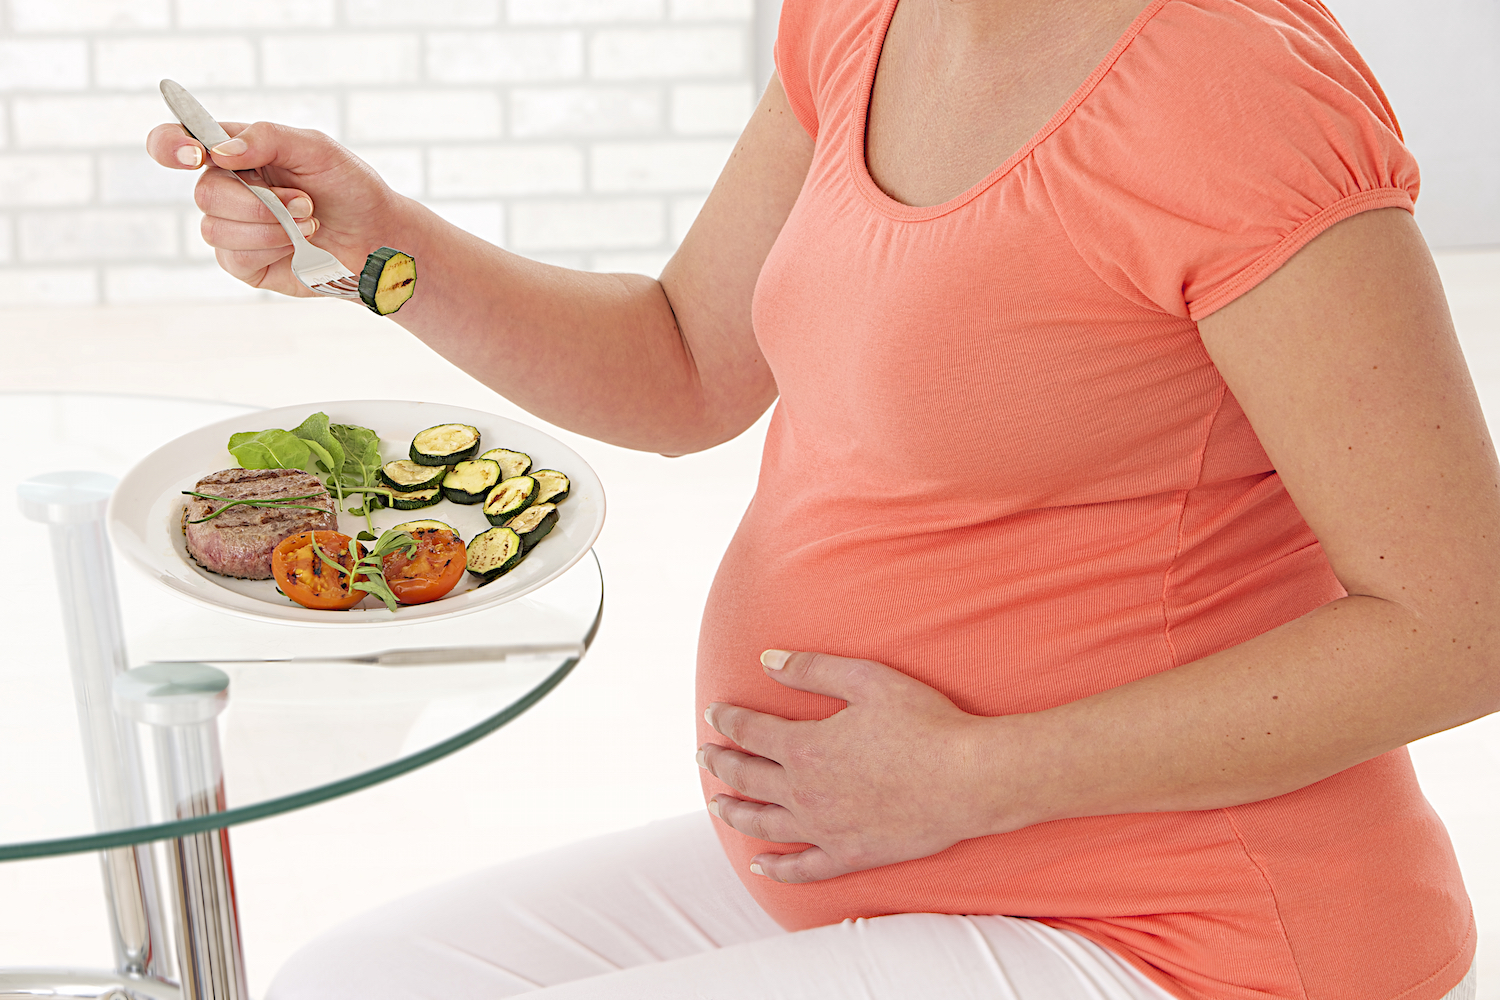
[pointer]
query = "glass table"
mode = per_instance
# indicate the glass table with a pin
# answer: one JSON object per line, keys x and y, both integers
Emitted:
{"x": 142, "y": 727}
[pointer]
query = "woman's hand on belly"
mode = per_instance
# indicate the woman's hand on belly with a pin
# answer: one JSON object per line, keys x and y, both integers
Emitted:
{"x": 890, "y": 778}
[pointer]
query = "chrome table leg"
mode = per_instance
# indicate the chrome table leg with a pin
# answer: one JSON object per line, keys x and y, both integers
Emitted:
{"x": 180, "y": 702}
{"x": 72, "y": 505}
{"x": 80, "y": 984}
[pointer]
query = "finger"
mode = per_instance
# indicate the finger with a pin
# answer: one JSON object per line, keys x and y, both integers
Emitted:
{"x": 278, "y": 148}
{"x": 171, "y": 146}
{"x": 263, "y": 269}
{"x": 219, "y": 193}
{"x": 747, "y": 774}
{"x": 844, "y": 677}
{"x": 768, "y": 822}
{"x": 761, "y": 734}
{"x": 811, "y": 865}
{"x": 226, "y": 235}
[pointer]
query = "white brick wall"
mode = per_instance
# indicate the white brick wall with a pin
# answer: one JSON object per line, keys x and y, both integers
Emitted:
{"x": 581, "y": 132}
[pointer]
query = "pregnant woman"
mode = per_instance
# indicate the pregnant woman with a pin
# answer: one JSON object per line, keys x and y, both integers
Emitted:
{"x": 1125, "y": 510}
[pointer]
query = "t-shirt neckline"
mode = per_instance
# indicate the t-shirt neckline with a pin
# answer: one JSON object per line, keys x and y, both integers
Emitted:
{"x": 859, "y": 127}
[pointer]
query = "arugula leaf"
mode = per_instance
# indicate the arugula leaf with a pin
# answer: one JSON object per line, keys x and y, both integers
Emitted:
{"x": 322, "y": 443}
{"x": 270, "y": 449}
{"x": 361, "y": 456}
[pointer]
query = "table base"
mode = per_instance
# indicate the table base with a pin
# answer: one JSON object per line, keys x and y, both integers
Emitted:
{"x": 82, "y": 984}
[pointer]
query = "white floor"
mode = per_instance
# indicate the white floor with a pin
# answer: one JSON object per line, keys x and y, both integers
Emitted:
{"x": 613, "y": 746}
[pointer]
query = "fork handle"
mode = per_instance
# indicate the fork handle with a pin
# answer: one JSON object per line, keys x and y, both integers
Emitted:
{"x": 269, "y": 199}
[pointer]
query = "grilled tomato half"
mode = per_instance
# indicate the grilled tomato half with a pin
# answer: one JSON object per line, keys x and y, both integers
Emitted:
{"x": 315, "y": 569}
{"x": 432, "y": 570}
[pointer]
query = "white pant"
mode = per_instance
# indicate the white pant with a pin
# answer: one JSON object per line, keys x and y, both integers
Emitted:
{"x": 658, "y": 914}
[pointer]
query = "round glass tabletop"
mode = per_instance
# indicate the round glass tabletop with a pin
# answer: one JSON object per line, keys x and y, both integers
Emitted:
{"x": 311, "y": 713}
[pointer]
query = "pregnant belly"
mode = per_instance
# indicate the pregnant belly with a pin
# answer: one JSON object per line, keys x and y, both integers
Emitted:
{"x": 1199, "y": 900}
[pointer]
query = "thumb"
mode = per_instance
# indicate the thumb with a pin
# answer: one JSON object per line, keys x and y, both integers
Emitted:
{"x": 811, "y": 865}
{"x": 843, "y": 677}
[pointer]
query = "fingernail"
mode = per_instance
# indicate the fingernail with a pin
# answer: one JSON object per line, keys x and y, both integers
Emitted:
{"x": 713, "y": 807}
{"x": 190, "y": 156}
{"x": 775, "y": 658}
{"x": 308, "y": 226}
{"x": 755, "y": 869}
{"x": 300, "y": 207}
{"x": 234, "y": 147}
{"x": 708, "y": 716}
{"x": 701, "y": 759}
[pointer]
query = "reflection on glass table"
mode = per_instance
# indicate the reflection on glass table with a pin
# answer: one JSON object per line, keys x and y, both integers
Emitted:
{"x": 233, "y": 720}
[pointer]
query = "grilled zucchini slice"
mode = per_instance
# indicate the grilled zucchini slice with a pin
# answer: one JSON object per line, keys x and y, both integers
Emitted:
{"x": 533, "y": 523}
{"x": 494, "y": 553}
{"x": 388, "y": 280}
{"x": 512, "y": 463}
{"x": 509, "y": 498}
{"x": 416, "y": 499}
{"x": 554, "y": 486}
{"x": 471, "y": 482}
{"x": 445, "y": 444}
{"x": 412, "y": 527}
{"x": 405, "y": 476}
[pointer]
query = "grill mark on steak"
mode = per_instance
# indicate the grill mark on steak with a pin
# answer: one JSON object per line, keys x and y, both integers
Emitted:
{"x": 239, "y": 542}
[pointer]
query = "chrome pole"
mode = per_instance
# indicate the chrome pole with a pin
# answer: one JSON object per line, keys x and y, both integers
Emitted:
{"x": 72, "y": 505}
{"x": 180, "y": 702}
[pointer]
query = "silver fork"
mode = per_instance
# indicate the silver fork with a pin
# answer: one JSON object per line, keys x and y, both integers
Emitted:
{"x": 316, "y": 268}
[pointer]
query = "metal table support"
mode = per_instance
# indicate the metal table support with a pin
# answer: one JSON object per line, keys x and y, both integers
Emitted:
{"x": 200, "y": 896}
{"x": 180, "y": 701}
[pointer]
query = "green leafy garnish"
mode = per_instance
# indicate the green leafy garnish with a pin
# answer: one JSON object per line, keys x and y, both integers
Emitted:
{"x": 361, "y": 456}
{"x": 328, "y": 450}
{"x": 370, "y": 565}
{"x": 346, "y": 454}
{"x": 270, "y": 449}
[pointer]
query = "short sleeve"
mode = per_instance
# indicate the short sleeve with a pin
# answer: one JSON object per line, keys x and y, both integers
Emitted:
{"x": 1226, "y": 136}
{"x": 791, "y": 55}
{"x": 815, "y": 40}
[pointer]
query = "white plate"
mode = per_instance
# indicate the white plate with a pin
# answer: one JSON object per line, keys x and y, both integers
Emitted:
{"x": 145, "y": 515}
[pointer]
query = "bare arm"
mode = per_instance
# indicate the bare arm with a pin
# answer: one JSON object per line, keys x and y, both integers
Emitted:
{"x": 1346, "y": 363}
{"x": 668, "y": 366}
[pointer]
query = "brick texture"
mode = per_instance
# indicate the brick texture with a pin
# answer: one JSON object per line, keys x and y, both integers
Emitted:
{"x": 583, "y": 11}
{"x": 44, "y": 64}
{"x": 585, "y": 111}
{"x": 45, "y": 179}
{"x": 583, "y": 133}
{"x": 675, "y": 165}
{"x": 592, "y": 224}
{"x": 504, "y": 57}
{"x": 640, "y": 53}
{"x": 90, "y": 15}
{"x": 383, "y": 115}
{"x": 275, "y": 15}
{"x": 468, "y": 171}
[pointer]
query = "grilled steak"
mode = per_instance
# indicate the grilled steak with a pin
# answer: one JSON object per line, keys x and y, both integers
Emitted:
{"x": 239, "y": 541}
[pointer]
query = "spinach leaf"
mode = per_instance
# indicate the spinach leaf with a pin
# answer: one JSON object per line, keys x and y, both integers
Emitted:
{"x": 270, "y": 449}
{"x": 322, "y": 443}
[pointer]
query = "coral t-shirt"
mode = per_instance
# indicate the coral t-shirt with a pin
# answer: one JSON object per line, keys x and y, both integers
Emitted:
{"x": 1003, "y": 463}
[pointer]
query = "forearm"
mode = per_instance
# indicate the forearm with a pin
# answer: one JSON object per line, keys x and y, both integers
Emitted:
{"x": 1354, "y": 679}
{"x": 600, "y": 354}
{"x": 670, "y": 366}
